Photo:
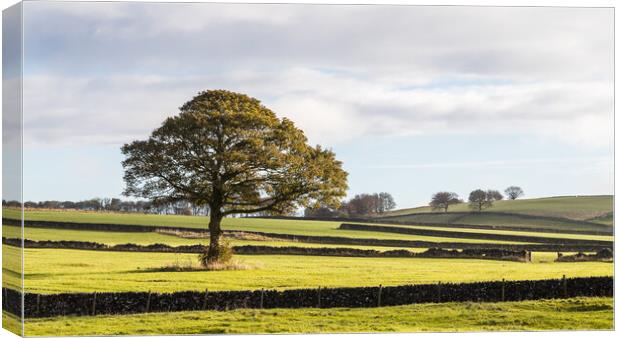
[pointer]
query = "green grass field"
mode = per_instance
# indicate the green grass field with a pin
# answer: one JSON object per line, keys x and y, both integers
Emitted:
{"x": 292, "y": 227}
{"x": 501, "y": 220}
{"x": 607, "y": 219}
{"x": 57, "y": 270}
{"x": 572, "y": 207}
{"x": 146, "y": 238}
{"x": 566, "y": 314}
{"x": 447, "y": 228}
{"x": 109, "y": 237}
{"x": 60, "y": 270}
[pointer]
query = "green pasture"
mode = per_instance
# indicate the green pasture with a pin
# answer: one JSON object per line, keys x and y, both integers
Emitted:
{"x": 447, "y": 228}
{"x": 562, "y": 314}
{"x": 59, "y": 270}
{"x": 607, "y": 219}
{"x": 500, "y": 220}
{"x": 572, "y": 207}
{"x": 146, "y": 238}
{"x": 279, "y": 226}
{"x": 110, "y": 237}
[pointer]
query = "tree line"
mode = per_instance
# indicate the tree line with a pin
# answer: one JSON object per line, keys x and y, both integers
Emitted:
{"x": 478, "y": 199}
{"x": 360, "y": 205}
{"x": 117, "y": 205}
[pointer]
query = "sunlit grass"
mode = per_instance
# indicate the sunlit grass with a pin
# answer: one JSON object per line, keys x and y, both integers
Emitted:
{"x": 573, "y": 207}
{"x": 566, "y": 314}
{"x": 56, "y": 270}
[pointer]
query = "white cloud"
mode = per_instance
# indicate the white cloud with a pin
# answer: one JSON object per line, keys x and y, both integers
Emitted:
{"x": 330, "y": 108}
{"x": 339, "y": 72}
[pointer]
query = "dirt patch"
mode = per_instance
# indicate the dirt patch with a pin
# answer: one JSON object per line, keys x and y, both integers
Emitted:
{"x": 242, "y": 236}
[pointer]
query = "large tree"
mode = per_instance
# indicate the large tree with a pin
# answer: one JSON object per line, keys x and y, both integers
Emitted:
{"x": 443, "y": 199}
{"x": 227, "y": 151}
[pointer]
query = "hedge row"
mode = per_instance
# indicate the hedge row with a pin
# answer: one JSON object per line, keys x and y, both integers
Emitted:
{"x": 473, "y": 235}
{"x": 605, "y": 255}
{"x": 429, "y": 244}
{"x": 87, "y": 226}
{"x": 38, "y": 305}
{"x": 499, "y": 254}
{"x": 81, "y": 245}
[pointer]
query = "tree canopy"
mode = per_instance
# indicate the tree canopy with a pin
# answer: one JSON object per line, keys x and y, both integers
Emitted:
{"x": 513, "y": 192}
{"x": 227, "y": 151}
{"x": 480, "y": 199}
{"x": 443, "y": 199}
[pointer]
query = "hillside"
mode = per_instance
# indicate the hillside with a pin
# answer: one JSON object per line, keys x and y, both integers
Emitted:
{"x": 594, "y": 208}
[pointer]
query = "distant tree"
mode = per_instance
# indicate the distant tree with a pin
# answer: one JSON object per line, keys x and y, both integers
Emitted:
{"x": 494, "y": 195}
{"x": 513, "y": 192}
{"x": 480, "y": 199}
{"x": 386, "y": 202}
{"x": 368, "y": 204}
{"x": 443, "y": 199}
{"x": 228, "y": 151}
{"x": 362, "y": 204}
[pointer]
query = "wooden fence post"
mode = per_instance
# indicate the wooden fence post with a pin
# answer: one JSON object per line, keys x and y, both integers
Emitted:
{"x": 564, "y": 286}
{"x": 38, "y": 304}
{"x": 94, "y": 309}
{"x": 262, "y": 297}
{"x": 148, "y": 302}
{"x": 379, "y": 295}
{"x": 319, "y": 297}
{"x": 503, "y": 289}
{"x": 204, "y": 304}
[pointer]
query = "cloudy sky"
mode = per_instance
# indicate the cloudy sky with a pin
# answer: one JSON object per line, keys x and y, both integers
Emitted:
{"x": 412, "y": 99}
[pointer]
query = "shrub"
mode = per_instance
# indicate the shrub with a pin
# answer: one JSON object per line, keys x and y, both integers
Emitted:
{"x": 224, "y": 255}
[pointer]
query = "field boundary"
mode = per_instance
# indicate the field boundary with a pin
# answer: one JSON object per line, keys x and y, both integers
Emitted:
{"x": 473, "y": 235}
{"x": 492, "y": 254}
{"x": 88, "y": 304}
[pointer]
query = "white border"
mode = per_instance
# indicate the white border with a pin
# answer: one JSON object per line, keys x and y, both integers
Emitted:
{"x": 563, "y": 3}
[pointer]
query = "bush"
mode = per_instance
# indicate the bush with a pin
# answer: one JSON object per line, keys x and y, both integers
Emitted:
{"x": 224, "y": 255}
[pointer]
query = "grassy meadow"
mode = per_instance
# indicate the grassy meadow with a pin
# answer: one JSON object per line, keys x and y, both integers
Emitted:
{"x": 146, "y": 238}
{"x": 564, "y": 314}
{"x": 68, "y": 270}
{"x": 571, "y": 207}
{"x": 499, "y": 220}
{"x": 60, "y": 270}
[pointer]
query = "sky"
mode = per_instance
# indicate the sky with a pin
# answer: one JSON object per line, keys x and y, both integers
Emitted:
{"x": 412, "y": 99}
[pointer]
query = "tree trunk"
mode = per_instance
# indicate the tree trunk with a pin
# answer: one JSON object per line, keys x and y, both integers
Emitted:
{"x": 215, "y": 233}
